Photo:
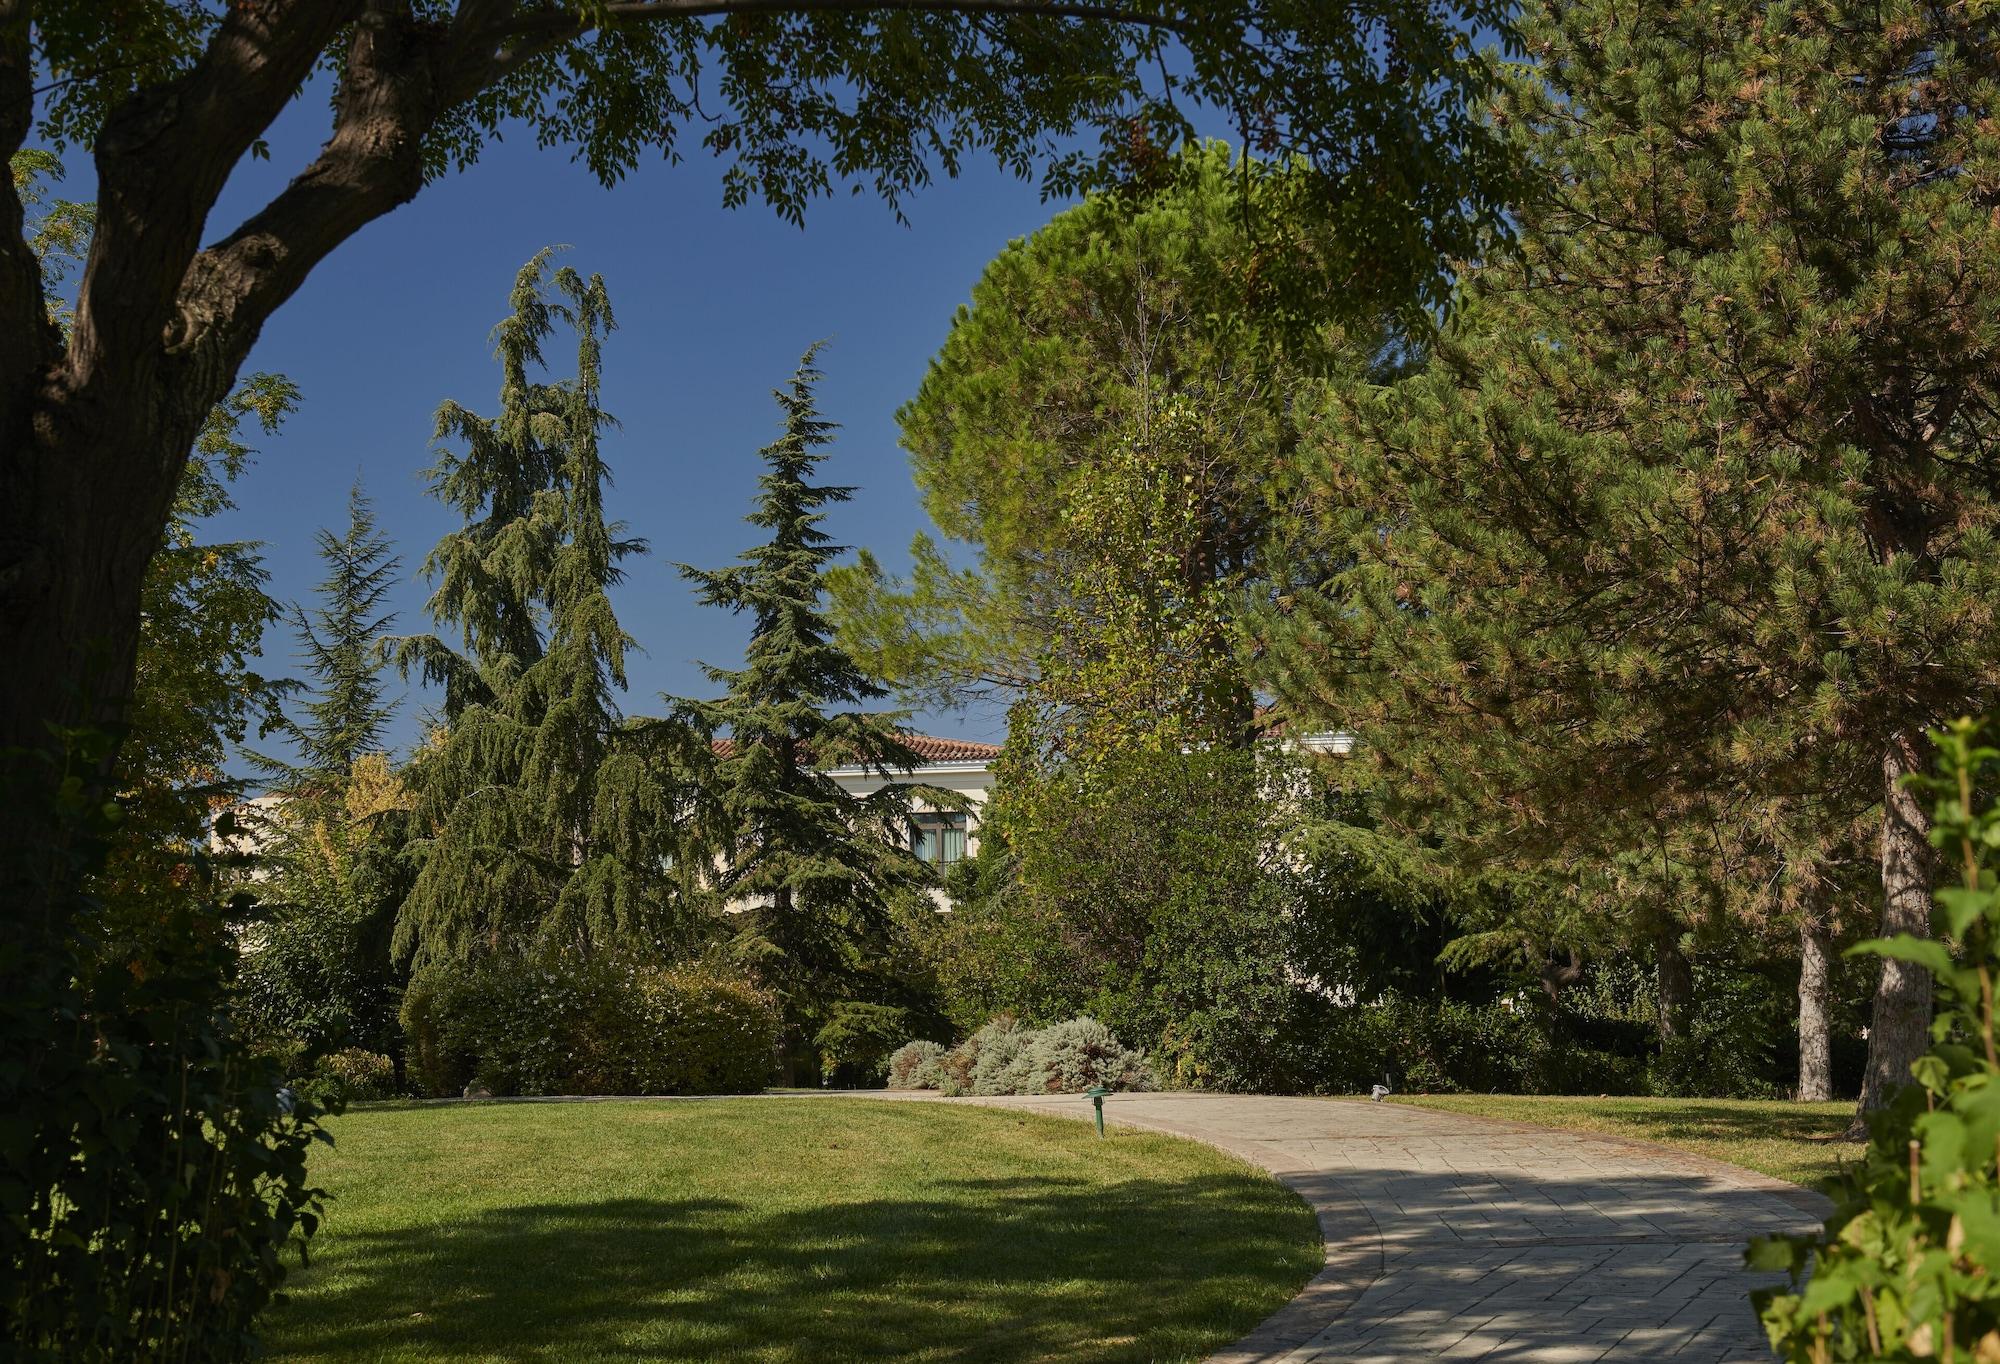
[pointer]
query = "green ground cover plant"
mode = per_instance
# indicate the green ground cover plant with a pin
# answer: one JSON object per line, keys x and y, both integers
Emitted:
{"x": 1799, "y": 1142}
{"x": 1903, "y": 1267}
{"x": 779, "y": 1230}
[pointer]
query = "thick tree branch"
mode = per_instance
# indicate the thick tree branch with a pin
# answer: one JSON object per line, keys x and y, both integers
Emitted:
{"x": 390, "y": 98}
{"x": 162, "y": 159}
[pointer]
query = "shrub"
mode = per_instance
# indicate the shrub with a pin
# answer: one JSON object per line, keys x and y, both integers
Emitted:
{"x": 1005, "y": 1058}
{"x": 154, "y": 1171}
{"x": 707, "y": 1032}
{"x": 910, "y": 1059}
{"x": 1904, "y": 1266}
{"x": 854, "y": 1045}
{"x": 356, "y": 1074}
{"x": 1730, "y": 1048}
{"x": 560, "y": 1024}
{"x": 931, "y": 1074}
{"x": 994, "y": 1049}
{"x": 1071, "y": 1057}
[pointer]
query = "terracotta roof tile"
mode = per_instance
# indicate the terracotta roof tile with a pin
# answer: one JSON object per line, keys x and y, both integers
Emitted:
{"x": 925, "y": 746}
{"x": 951, "y": 750}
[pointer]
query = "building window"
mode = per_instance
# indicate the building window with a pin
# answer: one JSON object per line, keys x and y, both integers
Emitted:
{"x": 938, "y": 838}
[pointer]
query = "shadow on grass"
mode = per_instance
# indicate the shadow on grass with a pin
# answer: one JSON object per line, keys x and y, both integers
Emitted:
{"x": 1694, "y": 1120}
{"x": 1005, "y": 1269}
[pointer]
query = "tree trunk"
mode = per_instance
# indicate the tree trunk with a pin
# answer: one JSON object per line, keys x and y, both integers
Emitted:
{"x": 1815, "y": 1037}
{"x": 1899, "y": 1033}
{"x": 95, "y": 428}
{"x": 80, "y": 518}
{"x": 1676, "y": 986}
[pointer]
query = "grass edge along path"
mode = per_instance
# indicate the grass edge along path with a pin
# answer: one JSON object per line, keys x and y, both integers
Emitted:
{"x": 1795, "y": 1142}
{"x": 782, "y": 1230}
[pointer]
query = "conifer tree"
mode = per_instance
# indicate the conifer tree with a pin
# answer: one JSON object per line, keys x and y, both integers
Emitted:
{"x": 1111, "y": 429}
{"x": 346, "y": 714}
{"x": 816, "y": 866}
{"x": 1690, "y": 522}
{"x": 544, "y": 816}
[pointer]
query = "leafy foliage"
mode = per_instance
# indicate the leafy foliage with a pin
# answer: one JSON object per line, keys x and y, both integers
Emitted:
{"x": 906, "y": 1061}
{"x": 1005, "y": 1058}
{"x": 1148, "y": 890}
{"x": 561, "y": 1022}
{"x": 541, "y": 814}
{"x": 352, "y": 1073}
{"x": 1111, "y": 428}
{"x": 57, "y": 230}
{"x": 1902, "y": 1270}
{"x": 1685, "y": 530}
{"x": 855, "y": 1045}
{"x": 317, "y": 973}
{"x": 1380, "y": 98}
{"x": 151, "y": 1172}
{"x": 196, "y": 694}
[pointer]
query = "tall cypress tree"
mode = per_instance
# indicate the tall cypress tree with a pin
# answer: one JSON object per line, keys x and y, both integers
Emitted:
{"x": 545, "y": 816}
{"x": 813, "y": 866}
{"x": 1690, "y": 522}
{"x": 346, "y": 714}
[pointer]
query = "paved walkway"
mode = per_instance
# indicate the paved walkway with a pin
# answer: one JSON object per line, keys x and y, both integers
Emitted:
{"x": 1450, "y": 1237}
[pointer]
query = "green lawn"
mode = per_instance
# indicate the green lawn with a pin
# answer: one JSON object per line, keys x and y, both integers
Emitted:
{"x": 781, "y": 1230}
{"x": 1795, "y": 1142}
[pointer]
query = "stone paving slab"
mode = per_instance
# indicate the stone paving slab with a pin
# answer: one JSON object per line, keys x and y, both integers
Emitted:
{"x": 1457, "y": 1238}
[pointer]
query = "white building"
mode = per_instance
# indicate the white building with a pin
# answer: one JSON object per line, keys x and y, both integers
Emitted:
{"x": 961, "y": 766}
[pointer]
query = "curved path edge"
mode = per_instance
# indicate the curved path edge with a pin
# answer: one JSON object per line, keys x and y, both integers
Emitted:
{"x": 1360, "y": 1253}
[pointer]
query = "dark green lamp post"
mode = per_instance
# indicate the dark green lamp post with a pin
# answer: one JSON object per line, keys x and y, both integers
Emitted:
{"x": 1097, "y": 1093}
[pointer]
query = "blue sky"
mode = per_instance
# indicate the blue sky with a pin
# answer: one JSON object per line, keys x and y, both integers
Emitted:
{"x": 714, "y": 308}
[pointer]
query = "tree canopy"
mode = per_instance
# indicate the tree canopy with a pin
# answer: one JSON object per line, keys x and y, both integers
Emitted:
{"x": 1112, "y": 430}
{"x": 1687, "y": 526}
{"x": 340, "y": 639}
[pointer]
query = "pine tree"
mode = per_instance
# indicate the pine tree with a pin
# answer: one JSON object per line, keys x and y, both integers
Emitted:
{"x": 817, "y": 866}
{"x": 347, "y": 713}
{"x": 1689, "y": 523}
{"x": 317, "y": 972}
{"x": 1111, "y": 428}
{"x": 546, "y": 817}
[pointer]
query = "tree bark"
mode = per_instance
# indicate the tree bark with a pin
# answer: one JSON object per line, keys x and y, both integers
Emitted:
{"x": 1676, "y": 985}
{"x": 95, "y": 428}
{"x": 1815, "y": 1034}
{"x": 1899, "y": 1032}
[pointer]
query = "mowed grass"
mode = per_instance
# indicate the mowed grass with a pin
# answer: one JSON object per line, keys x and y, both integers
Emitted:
{"x": 1795, "y": 1142}
{"x": 781, "y": 1229}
